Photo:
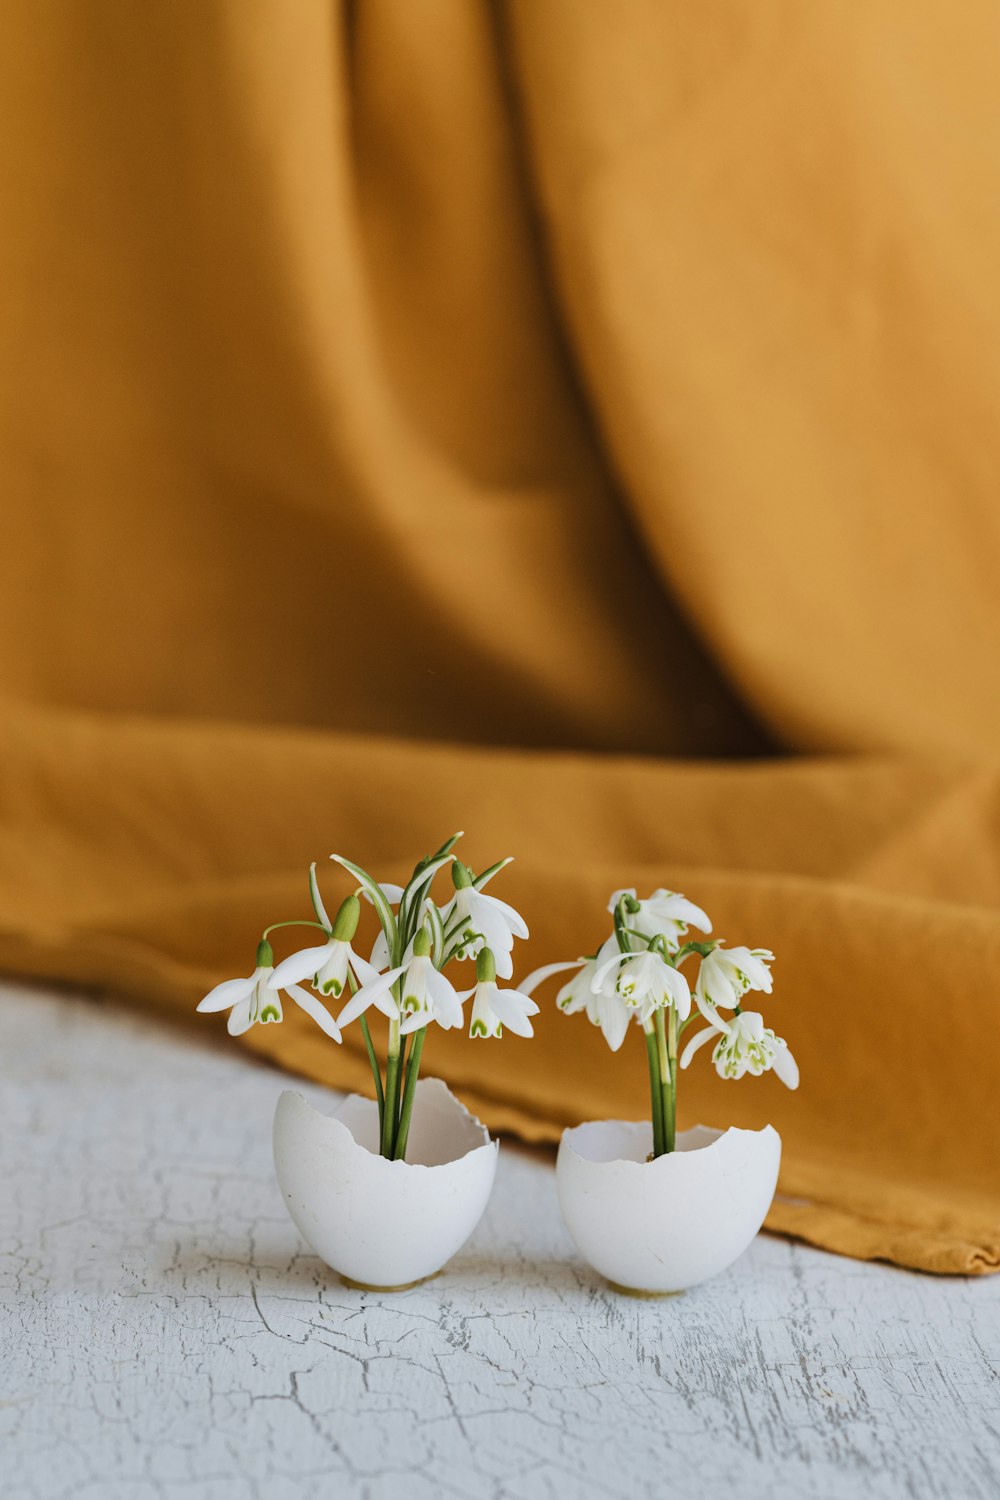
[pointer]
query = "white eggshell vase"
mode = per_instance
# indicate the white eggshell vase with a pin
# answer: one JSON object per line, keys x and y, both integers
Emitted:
{"x": 652, "y": 1227}
{"x": 378, "y": 1223}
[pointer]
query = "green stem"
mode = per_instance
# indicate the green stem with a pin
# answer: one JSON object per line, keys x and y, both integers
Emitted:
{"x": 655, "y": 1093}
{"x": 400, "y": 1077}
{"x": 391, "y": 1076}
{"x": 406, "y": 1110}
{"x": 299, "y": 922}
{"x": 670, "y": 1115}
{"x": 663, "y": 1066}
{"x": 376, "y": 1073}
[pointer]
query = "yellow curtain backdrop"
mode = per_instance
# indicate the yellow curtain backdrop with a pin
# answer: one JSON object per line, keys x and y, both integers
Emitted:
{"x": 544, "y": 419}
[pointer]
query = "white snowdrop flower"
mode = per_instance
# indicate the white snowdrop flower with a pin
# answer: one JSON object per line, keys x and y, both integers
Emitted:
{"x": 488, "y": 922}
{"x": 665, "y": 914}
{"x": 604, "y": 1006}
{"x": 257, "y": 999}
{"x": 747, "y": 1046}
{"x": 328, "y": 964}
{"x": 646, "y": 982}
{"x": 426, "y": 994}
{"x": 494, "y": 1008}
{"x": 725, "y": 976}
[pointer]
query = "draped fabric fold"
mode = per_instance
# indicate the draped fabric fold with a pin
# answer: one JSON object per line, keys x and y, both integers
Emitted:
{"x": 576, "y": 424}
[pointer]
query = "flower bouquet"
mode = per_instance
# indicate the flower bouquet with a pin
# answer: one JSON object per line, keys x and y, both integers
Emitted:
{"x": 387, "y": 1189}
{"x": 652, "y": 1210}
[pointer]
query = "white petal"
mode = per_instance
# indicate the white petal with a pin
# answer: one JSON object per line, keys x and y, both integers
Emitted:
{"x": 368, "y": 994}
{"x": 363, "y": 970}
{"x": 757, "y": 972}
{"x": 613, "y": 1019}
{"x": 492, "y": 925}
{"x": 301, "y": 965}
{"x": 227, "y": 993}
{"x": 439, "y": 986}
{"x": 718, "y": 983}
{"x": 241, "y": 1017}
{"x": 539, "y": 976}
{"x": 680, "y": 992}
{"x": 386, "y": 1002}
{"x": 603, "y": 970}
{"x": 694, "y": 916}
{"x": 484, "y": 1021}
{"x": 332, "y": 977}
{"x": 512, "y": 918}
{"x": 786, "y": 1067}
{"x": 315, "y": 1008}
{"x": 415, "y": 1022}
{"x": 709, "y": 1011}
{"x": 380, "y": 952}
{"x": 576, "y": 994}
{"x": 708, "y": 1035}
{"x": 504, "y": 1004}
{"x": 505, "y": 965}
{"x": 447, "y": 1006}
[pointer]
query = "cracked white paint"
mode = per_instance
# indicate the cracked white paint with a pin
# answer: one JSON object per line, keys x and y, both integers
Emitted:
{"x": 165, "y": 1335}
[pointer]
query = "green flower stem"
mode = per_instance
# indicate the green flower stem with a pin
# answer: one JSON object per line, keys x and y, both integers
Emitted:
{"x": 660, "y": 1086}
{"x": 391, "y": 1091}
{"x": 406, "y": 1109}
{"x": 400, "y": 1078}
{"x": 670, "y": 1118}
{"x": 299, "y": 922}
{"x": 376, "y": 1073}
{"x": 655, "y": 1092}
{"x": 666, "y": 1091}
{"x": 372, "y": 1059}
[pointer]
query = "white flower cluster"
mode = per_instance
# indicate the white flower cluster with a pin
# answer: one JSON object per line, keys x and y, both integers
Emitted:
{"x": 637, "y": 972}
{"x": 412, "y": 991}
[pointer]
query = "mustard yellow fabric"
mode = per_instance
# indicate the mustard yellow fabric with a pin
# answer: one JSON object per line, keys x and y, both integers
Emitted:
{"x": 576, "y": 423}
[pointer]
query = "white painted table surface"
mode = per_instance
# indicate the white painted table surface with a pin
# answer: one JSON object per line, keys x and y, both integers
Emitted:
{"x": 167, "y": 1336}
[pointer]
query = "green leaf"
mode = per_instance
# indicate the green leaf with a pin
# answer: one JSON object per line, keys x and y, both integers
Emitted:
{"x": 317, "y": 899}
{"x": 446, "y": 847}
{"x": 374, "y": 890}
{"x": 437, "y": 933}
{"x": 487, "y": 875}
{"x": 413, "y": 896}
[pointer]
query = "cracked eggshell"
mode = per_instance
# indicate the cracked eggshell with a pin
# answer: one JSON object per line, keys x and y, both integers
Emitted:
{"x": 664, "y": 1225}
{"x": 378, "y": 1222}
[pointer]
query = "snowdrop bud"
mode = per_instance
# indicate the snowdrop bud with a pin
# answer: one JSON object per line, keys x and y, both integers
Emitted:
{"x": 265, "y": 955}
{"x": 486, "y": 967}
{"x": 461, "y": 875}
{"x": 422, "y": 944}
{"x": 346, "y": 922}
